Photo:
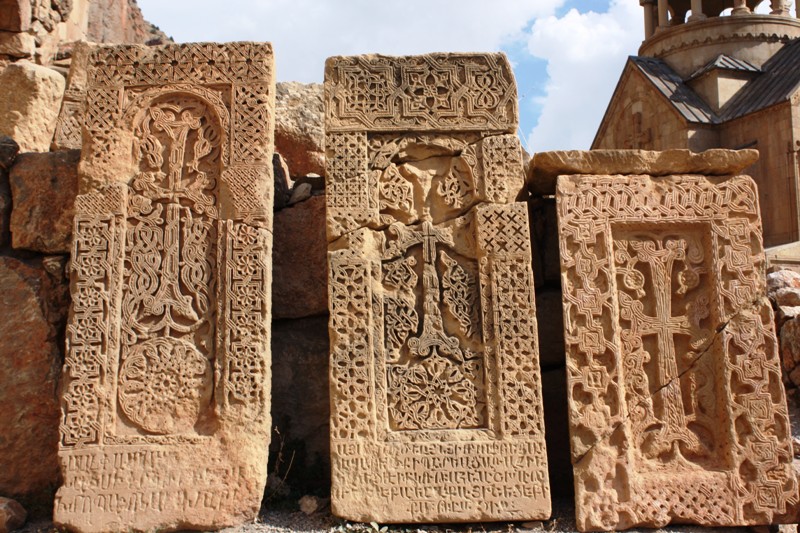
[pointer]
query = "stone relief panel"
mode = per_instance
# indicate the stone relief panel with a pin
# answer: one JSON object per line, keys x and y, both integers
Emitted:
{"x": 677, "y": 410}
{"x": 166, "y": 381}
{"x": 435, "y": 384}
{"x": 70, "y": 120}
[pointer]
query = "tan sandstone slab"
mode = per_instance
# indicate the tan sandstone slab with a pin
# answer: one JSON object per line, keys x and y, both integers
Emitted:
{"x": 67, "y": 134}
{"x": 545, "y": 167}
{"x": 15, "y": 15}
{"x": 17, "y": 45}
{"x": 165, "y": 392}
{"x": 677, "y": 410}
{"x": 299, "y": 129}
{"x": 30, "y": 104}
{"x": 436, "y": 412}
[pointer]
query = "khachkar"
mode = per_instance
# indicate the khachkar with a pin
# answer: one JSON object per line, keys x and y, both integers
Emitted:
{"x": 165, "y": 394}
{"x": 435, "y": 385}
{"x": 677, "y": 410}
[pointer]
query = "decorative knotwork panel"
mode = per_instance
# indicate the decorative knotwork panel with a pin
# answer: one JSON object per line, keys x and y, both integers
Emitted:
{"x": 167, "y": 369}
{"x": 439, "y": 92}
{"x": 435, "y": 385}
{"x": 677, "y": 410}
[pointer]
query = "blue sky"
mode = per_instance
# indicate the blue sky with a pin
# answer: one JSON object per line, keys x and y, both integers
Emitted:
{"x": 567, "y": 54}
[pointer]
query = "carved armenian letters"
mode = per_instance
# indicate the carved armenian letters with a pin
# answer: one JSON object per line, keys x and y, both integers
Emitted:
{"x": 435, "y": 385}
{"x": 165, "y": 393}
{"x": 677, "y": 410}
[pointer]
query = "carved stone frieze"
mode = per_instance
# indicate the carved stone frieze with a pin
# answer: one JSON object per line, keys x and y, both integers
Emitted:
{"x": 677, "y": 410}
{"x": 435, "y": 384}
{"x": 165, "y": 394}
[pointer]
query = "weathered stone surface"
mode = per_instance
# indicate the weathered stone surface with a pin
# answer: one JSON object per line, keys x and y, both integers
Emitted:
{"x": 15, "y": 15}
{"x": 300, "y": 448}
{"x": 12, "y": 515}
{"x": 430, "y": 286}
{"x": 790, "y": 350}
{"x": 33, "y": 303}
{"x": 67, "y": 134}
{"x": 299, "y": 130}
{"x": 677, "y": 410}
{"x": 30, "y": 103}
{"x": 166, "y": 384}
{"x": 282, "y": 181}
{"x": 17, "y": 45}
{"x": 299, "y": 267}
{"x": 43, "y": 190}
{"x": 782, "y": 279}
{"x": 121, "y": 21}
{"x": 789, "y": 296}
{"x": 545, "y": 167}
{"x": 8, "y": 152}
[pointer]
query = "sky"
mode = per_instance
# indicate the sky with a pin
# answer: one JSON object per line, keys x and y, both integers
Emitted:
{"x": 567, "y": 55}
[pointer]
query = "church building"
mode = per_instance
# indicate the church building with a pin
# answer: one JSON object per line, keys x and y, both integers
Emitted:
{"x": 715, "y": 74}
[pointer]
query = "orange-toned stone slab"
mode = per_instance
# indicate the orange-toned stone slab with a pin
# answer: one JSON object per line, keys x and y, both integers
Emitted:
{"x": 165, "y": 392}
{"x": 677, "y": 410}
{"x": 436, "y": 408}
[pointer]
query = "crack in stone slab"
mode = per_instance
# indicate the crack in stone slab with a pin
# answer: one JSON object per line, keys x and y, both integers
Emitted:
{"x": 753, "y": 305}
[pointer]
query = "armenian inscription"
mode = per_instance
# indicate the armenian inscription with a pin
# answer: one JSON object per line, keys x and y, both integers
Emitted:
{"x": 677, "y": 410}
{"x": 435, "y": 384}
{"x": 165, "y": 395}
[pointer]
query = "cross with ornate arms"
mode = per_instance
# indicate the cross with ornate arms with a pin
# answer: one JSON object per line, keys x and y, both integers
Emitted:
{"x": 661, "y": 257}
{"x": 433, "y": 340}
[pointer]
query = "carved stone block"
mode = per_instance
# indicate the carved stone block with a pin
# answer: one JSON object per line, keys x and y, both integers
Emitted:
{"x": 70, "y": 119}
{"x": 165, "y": 393}
{"x": 677, "y": 410}
{"x": 435, "y": 382}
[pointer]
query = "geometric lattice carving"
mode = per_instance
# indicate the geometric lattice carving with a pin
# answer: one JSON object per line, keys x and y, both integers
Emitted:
{"x": 677, "y": 410}
{"x": 166, "y": 378}
{"x": 435, "y": 384}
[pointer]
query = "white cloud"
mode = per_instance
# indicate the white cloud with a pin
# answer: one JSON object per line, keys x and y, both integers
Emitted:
{"x": 305, "y": 32}
{"x": 586, "y": 53}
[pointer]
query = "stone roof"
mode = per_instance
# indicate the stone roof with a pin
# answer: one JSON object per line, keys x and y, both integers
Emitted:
{"x": 778, "y": 82}
{"x": 672, "y": 86}
{"x": 726, "y": 62}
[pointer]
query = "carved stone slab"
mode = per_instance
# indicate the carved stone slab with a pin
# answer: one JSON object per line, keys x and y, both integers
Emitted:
{"x": 67, "y": 135}
{"x": 435, "y": 384}
{"x": 677, "y": 410}
{"x": 165, "y": 392}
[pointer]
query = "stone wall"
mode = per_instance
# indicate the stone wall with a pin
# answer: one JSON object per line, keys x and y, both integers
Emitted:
{"x": 41, "y": 30}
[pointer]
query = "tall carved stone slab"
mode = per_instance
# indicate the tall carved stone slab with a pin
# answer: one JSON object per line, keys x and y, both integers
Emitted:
{"x": 165, "y": 393}
{"x": 70, "y": 119}
{"x": 435, "y": 384}
{"x": 677, "y": 410}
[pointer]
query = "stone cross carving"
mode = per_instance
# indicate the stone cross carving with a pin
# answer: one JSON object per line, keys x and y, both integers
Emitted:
{"x": 435, "y": 387}
{"x": 677, "y": 410}
{"x": 166, "y": 381}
